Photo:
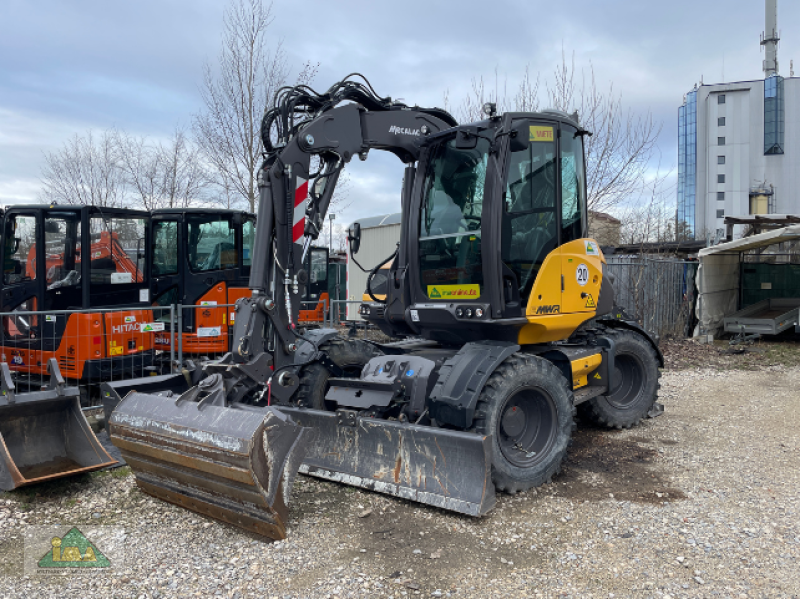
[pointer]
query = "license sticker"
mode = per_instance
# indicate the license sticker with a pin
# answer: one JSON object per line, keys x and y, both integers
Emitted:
{"x": 591, "y": 248}
{"x": 130, "y": 319}
{"x": 414, "y": 315}
{"x": 208, "y": 303}
{"x": 540, "y": 133}
{"x": 149, "y": 327}
{"x": 582, "y": 274}
{"x": 472, "y": 291}
{"x": 50, "y": 318}
{"x": 209, "y": 332}
{"x": 121, "y": 278}
{"x": 144, "y": 295}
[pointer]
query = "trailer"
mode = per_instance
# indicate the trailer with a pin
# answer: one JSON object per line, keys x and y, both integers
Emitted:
{"x": 767, "y": 317}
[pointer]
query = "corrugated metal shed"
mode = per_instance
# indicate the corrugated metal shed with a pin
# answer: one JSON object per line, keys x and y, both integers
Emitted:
{"x": 379, "y": 238}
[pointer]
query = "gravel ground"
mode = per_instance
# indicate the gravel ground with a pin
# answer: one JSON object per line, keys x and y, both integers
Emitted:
{"x": 700, "y": 502}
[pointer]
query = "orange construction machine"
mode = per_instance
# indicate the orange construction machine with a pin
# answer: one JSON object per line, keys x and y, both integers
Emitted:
{"x": 201, "y": 260}
{"x": 75, "y": 294}
{"x": 45, "y": 270}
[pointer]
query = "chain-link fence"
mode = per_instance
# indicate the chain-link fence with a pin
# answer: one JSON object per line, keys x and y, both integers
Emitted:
{"x": 90, "y": 346}
{"x": 659, "y": 293}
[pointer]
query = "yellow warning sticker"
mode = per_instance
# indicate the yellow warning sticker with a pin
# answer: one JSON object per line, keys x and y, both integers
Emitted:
{"x": 590, "y": 301}
{"x": 116, "y": 351}
{"x": 540, "y": 133}
{"x": 460, "y": 292}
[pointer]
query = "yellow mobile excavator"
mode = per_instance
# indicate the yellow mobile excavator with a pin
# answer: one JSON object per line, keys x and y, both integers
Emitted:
{"x": 495, "y": 292}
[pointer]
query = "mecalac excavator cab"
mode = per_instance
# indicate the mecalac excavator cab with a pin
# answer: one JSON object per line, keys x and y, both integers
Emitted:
{"x": 58, "y": 263}
{"x": 499, "y": 293}
{"x": 201, "y": 259}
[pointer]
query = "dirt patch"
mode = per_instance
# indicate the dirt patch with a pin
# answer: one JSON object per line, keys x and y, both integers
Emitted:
{"x": 682, "y": 354}
{"x": 602, "y": 463}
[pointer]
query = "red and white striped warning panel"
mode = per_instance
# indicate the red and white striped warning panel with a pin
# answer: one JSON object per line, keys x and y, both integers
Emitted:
{"x": 300, "y": 196}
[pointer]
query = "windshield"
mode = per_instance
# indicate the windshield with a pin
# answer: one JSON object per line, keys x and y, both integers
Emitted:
{"x": 450, "y": 223}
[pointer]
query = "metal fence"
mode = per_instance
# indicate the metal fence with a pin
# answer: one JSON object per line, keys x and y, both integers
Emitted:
{"x": 91, "y": 346}
{"x": 659, "y": 293}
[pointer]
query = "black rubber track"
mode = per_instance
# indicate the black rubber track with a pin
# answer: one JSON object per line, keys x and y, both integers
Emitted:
{"x": 637, "y": 367}
{"x": 538, "y": 388}
{"x": 348, "y": 354}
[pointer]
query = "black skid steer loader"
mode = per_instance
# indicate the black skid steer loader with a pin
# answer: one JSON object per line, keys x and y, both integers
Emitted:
{"x": 495, "y": 293}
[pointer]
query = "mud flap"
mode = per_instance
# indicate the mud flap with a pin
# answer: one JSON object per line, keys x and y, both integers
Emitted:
{"x": 44, "y": 434}
{"x": 448, "y": 469}
{"x": 235, "y": 464}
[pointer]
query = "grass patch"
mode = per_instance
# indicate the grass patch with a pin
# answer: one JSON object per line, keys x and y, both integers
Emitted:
{"x": 123, "y": 472}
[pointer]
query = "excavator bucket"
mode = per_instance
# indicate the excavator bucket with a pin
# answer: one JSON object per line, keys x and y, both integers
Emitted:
{"x": 444, "y": 468}
{"x": 233, "y": 463}
{"x": 43, "y": 434}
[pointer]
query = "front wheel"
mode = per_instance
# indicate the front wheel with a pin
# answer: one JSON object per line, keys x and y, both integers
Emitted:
{"x": 635, "y": 386}
{"x": 527, "y": 407}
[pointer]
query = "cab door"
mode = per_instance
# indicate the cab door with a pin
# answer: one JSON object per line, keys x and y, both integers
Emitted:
{"x": 165, "y": 271}
{"x": 22, "y": 257}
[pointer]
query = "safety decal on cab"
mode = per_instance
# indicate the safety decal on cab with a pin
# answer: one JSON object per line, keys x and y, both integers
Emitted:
{"x": 591, "y": 248}
{"x": 590, "y": 301}
{"x": 472, "y": 291}
{"x": 582, "y": 274}
{"x": 540, "y": 133}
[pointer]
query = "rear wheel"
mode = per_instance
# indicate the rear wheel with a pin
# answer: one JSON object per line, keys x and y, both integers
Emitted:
{"x": 635, "y": 387}
{"x": 527, "y": 407}
{"x": 348, "y": 354}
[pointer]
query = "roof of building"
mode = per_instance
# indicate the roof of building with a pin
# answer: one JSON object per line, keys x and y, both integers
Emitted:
{"x": 737, "y": 246}
{"x": 380, "y": 221}
{"x": 604, "y": 216}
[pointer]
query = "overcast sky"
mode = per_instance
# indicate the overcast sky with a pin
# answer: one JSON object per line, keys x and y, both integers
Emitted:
{"x": 68, "y": 67}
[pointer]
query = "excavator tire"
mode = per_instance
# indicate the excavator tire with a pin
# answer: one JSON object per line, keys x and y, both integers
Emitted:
{"x": 636, "y": 389}
{"x": 527, "y": 407}
{"x": 348, "y": 354}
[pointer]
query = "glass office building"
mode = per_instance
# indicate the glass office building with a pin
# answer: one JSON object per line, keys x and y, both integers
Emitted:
{"x": 687, "y": 166}
{"x": 773, "y": 115}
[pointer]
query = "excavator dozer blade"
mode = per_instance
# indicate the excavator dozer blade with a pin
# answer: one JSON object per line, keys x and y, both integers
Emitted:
{"x": 44, "y": 434}
{"x": 236, "y": 464}
{"x": 448, "y": 469}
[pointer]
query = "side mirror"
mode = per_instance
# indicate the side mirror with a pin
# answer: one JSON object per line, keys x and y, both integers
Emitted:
{"x": 354, "y": 237}
{"x": 467, "y": 138}
{"x": 520, "y": 138}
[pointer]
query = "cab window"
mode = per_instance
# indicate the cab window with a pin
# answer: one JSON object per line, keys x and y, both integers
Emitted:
{"x": 248, "y": 238}
{"x": 450, "y": 222}
{"x": 529, "y": 223}
{"x": 117, "y": 250}
{"x": 165, "y": 248}
{"x": 212, "y": 244}
{"x": 19, "y": 249}
{"x": 62, "y": 251}
{"x": 573, "y": 185}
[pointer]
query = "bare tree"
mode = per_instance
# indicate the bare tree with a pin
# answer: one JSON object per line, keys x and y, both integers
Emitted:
{"x": 84, "y": 171}
{"x": 622, "y": 144}
{"x": 236, "y": 94}
{"x": 619, "y": 152}
{"x": 184, "y": 176}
